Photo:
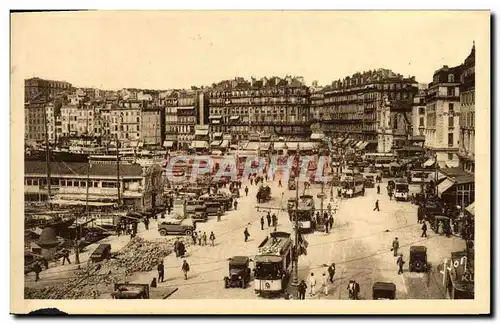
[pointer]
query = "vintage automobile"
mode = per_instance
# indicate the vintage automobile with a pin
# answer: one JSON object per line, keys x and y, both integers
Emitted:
{"x": 384, "y": 290}
{"x": 264, "y": 194}
{"x": 214, "y": 208}
{"x": 176, "y": 226}
{"x": 196, "y": 209}
{"x": 418, "y": 259}
{"x": 102, "y": 252}
{"x": 239, "y": 272}
{"x": 369, "y": 180}
{"x": 292, "y": 185}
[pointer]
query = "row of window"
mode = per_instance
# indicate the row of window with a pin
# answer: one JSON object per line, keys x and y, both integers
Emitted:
{"x": 263, "y": 92}
{"x": 69, "y": 183}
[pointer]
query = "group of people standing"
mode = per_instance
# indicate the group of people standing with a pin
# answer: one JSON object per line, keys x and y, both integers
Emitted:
{"x": 201, "y": 238}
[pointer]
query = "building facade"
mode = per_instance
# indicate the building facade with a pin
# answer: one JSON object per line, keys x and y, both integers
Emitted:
{"x": 151, "y": 129}
{"x": 35, "y": 121}
{"x": 374, "y": 106}
{"x": 272, "y": 106}
{"x": 467, "y": 113}
{"x": 37, "y": 88}
{"x": 442, "y": 115}
{"x": 418, "y": 113}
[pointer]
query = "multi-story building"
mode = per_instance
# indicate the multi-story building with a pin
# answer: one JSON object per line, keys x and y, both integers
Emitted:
{"x": 69, "y": 120}
{"x": 151, "y": 128}
{"x": 37, "y": 88}
{"x": 125, "y": 121}
{"x": 467, "y": 113}
{"x": 186, "y": 118}
{"x": 170, "y": 104}
{"x": 272, "y": 106}
{"x": 418, "y": 114}
{"x": 373, "y": 106}
{"x": 35, "y": 120}
{"x": 442, "y": 115}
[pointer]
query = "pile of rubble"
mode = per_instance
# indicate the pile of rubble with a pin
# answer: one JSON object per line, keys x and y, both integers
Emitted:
{"x": 138, "y": 255}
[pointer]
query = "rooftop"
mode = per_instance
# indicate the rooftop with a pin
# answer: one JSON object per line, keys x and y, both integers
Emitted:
{"x": 79, "y": 168}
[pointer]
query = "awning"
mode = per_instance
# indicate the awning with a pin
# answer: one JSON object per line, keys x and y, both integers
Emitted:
{"x": 395, "y": 165}
{"x": 306, "y": 146}
{"x": 168, "y": 144}
{"x": 317, "y": 136}
{"x": 81, "y": 203}
{"x": 234, "y": 117}
{"x": 292, "y": 146}
{"x": 443, "y": 186}
{"x": 215, "y": 143}
{"x": 215, "y": 121}
{"x": 378, "y": 165}
{"x": 199, "y": 144}
{"x": 429, "y": 162}
{"x": 264, "y": 146}
{"x": 386, "y": 165}
{"x": 215, "y": 117}
{"x": 217, "y": 134}
{"x": 201, "y": 132}
{"x": 225, "y": 143}
{"x": 451, "y": 164}
{"x": 470, "y": 209}
{"x": 279, "y": 146}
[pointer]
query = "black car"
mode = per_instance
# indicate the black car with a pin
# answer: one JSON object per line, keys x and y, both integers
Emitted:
{"x": 239, "y": 272}
{"x": 384, "y": 290}
{"x": 418, "y": 259}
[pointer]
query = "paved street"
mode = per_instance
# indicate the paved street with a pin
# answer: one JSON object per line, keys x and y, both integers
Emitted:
{"x": 359, "y": 245}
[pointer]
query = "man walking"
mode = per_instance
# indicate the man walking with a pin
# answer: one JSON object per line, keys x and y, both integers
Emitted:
{"x": 212, "y": 238}
{"x": 262, "y": 223}
{"x": 378, "y": 189}
{"x": 193, "y": 236}
{"x": 66, "y": 256}
{"x": 247, "y": 234}
{"x": 146, "y": 223}
{"x": 246, "y": 190}
{"x": 400, "y": 263}
{"x": 235, "y": 204}
{"x": 330, "y": 222}
{"x": 280, "y": 184}
{"x": 185, "y": 269}
{"x": 204, "y": 238}
{"x": 302, "y": 288}
{"x": 161, "y": 271}
{"x": 424, "y": 230}
{"x": 376, "y": 206}
{"x": 331, "y": 271}
{"x": 37, "y": 268}
{"x": 275, "y": 220}
{"x": 268, "y": 216}
{"x": 312, "y": 284}
{"x": 176, "y": 247}
{"x": 395, "y": 246}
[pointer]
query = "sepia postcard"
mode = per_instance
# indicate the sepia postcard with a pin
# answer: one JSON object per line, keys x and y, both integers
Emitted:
{"x": 250, "y": 162}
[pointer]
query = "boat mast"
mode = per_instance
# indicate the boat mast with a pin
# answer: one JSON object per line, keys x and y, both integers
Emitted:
{"x": 47, "y": 158}
{"x": 118, "y": 169}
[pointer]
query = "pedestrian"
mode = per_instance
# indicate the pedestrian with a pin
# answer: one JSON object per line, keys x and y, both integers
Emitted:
{"x": 395, "y": 246}
{"x": 176, "y": 247}
{"x": 199, "y": 238}
{"x": 251, "y": 181}
{"x": 378, "y": 189}
{"x": 275, "y": 220}
{"x": 376, "y": 206}
{"x": 146, "y": 223}
{"x": 185, "y": 269}
{"x": 37, "y": 269}
{"x": 66, "y": 256}
{"x": 331, "y": 271}
{"x": 400, "y": 263}
{"x": 424, "y": 230}
{"x": 182, "y": 249}
{"x": 302, "y": 288}
{"x": 235, "y": 204}
{"x": 312, "y": 284}
{"x": 324, "y": 284}
{"x": 204, "y": 238}
{"x": 262, "y": 223}
{"x": 212, "y": 238}
{"x": 268, "y": 217}
{"x": 161, "y": 271}
{"x": 329, "y": 208}
{"x": 246, "y": 191}
{"x": 247, "y": 234}
{"x": 118, "y": 230}
{"x": 153, "y": 283}
{"x": 194, "y": 237}
{"x": 169, "y": 209}
{"x": 330, "y": 222}
{"x": 279, "y": 183}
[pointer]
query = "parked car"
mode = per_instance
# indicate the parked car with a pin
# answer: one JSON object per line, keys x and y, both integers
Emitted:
{"x": 418, "y": 259}
{"x": 174, "y": 226}
{"x": 239, "y": 272}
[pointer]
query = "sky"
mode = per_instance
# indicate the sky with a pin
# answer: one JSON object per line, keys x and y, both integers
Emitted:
{"x": 168, "y": 49}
